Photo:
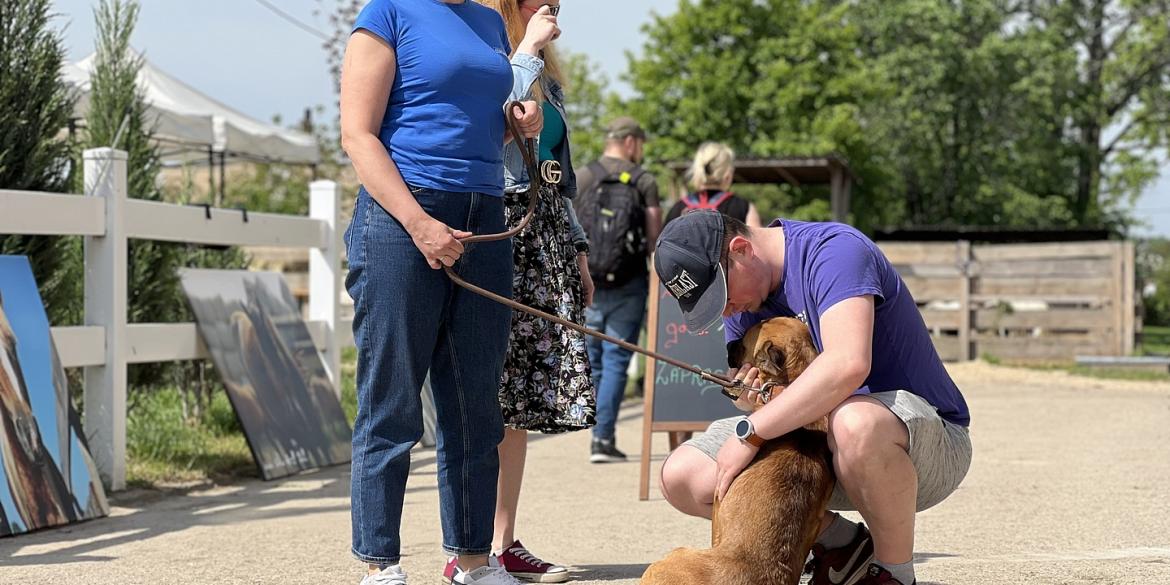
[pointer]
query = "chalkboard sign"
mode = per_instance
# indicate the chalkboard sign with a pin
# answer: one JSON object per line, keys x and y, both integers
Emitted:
{"x": 681, "y": 396}
{"x": 678, "y": 400}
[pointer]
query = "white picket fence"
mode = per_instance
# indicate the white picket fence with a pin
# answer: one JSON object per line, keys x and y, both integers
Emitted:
{"x": 108, "y": 218}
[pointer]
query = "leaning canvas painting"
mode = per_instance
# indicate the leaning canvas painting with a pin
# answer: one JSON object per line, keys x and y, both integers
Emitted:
{"x": 47, "y": 477}
{"x": 275, "y": 377}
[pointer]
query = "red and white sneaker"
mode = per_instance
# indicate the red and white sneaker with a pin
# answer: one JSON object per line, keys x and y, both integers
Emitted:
{"x": 450, "y": 570}
{"x": 524, "y": 565}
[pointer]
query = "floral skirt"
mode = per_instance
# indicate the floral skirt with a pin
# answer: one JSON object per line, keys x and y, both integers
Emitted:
{"x": 546, "y": 386}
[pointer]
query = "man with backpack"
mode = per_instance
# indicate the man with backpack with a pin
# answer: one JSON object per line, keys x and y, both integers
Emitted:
{"x": 617, "y": 205}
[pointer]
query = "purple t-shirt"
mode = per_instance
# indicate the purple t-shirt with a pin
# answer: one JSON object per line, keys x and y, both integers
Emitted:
{"x": 826, "y": 263}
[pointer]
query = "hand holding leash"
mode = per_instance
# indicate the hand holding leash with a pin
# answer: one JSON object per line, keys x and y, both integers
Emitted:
{"x": 731, "y": 388}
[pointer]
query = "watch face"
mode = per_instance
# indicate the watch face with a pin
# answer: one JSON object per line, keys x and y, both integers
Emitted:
{"x": 743, "y": 428}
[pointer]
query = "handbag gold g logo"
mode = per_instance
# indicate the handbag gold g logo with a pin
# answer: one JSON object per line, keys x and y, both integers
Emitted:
{"x": 550, "y": 171}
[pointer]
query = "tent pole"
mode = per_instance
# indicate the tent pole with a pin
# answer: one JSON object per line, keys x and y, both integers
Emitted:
{"x": 222, "y": 173}
{"x": 210, "y": 173}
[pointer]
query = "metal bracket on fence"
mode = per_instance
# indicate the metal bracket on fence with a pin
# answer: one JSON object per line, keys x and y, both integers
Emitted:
{"x": 244, "y": 211}
{"x": 206, "y": 209}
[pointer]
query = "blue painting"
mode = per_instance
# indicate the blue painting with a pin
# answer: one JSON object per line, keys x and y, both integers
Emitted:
{"x": 47, "y": 477}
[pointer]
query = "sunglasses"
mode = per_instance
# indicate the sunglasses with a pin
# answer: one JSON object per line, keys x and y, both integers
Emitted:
{"x": 552, "y": 10}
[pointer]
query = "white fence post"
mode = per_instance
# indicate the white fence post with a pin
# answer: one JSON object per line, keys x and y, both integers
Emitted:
{"x": 325, "y": 273}
{"x": 105, "y": 306}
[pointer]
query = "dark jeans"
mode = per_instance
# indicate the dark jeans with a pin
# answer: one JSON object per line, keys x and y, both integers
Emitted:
{"x": 408, "y": 319}
{"x": 617, "y": 312}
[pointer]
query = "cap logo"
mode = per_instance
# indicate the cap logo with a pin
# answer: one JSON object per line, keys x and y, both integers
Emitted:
{"x": 681, "y": 284}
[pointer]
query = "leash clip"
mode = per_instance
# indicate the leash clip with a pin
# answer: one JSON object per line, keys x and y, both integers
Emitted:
{"x": 734, "y": 392}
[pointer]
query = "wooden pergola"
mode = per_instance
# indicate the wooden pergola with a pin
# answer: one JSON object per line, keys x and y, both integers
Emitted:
{"x": 798, "y": 171}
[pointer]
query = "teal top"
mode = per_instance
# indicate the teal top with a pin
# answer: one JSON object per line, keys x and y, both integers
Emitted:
{"x": 553, "y": 133}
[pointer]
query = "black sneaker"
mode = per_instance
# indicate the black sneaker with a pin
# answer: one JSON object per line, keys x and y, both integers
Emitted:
{"x": 604, "y": 451}
{"x": 840, "y": 566}
{"x": 879, "y": 576}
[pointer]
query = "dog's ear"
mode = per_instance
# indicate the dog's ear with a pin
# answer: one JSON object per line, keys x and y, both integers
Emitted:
{"x": 770, "y": 360}
{"x": 735, "y": 353}
{"x": 801, "y": 352}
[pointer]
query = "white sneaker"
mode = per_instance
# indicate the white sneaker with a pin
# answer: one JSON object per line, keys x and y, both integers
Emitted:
{"x": 392, "y": 575}
{"x": 488, "y": 575}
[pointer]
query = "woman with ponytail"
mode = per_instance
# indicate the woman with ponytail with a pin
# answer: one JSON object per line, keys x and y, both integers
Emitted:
{"x": 711, "y": 174}
{"x": 546, "y": 386}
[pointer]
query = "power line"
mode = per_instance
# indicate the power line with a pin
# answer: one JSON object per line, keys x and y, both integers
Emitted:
{"x": 294, "y": 20}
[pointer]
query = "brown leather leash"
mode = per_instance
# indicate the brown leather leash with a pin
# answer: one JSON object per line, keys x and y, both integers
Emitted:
{"x": 731, "y": 388}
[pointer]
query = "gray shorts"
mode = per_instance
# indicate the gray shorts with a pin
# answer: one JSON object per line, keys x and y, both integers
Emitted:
{"x": 939, "y": 449}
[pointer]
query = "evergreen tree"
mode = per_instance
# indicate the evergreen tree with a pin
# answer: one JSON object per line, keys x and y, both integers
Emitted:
{"x": 118, "y": 109}
{"x": 35, "y": 107}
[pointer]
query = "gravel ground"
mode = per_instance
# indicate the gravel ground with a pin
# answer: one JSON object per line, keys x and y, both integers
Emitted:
{"x": 1068, "y": 486}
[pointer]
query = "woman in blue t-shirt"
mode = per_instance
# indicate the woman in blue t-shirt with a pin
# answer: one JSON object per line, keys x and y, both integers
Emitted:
{"x": 423, "y": 91}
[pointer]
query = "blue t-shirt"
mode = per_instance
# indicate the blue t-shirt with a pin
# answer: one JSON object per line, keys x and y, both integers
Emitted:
{"x": 444, "y": 125}
{"x": 826, "y": 263}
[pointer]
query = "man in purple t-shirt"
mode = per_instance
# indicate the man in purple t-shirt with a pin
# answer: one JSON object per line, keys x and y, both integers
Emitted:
{"x": 897, "y": 422}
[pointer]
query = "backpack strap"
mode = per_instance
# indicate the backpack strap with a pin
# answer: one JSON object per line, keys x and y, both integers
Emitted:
{"x": 630, "y": 178}
{"x": 719, "y": 199}
{"x": 598, "y": 171}
{"x": 701, "y": 200}
{"x": 636, "y": 175}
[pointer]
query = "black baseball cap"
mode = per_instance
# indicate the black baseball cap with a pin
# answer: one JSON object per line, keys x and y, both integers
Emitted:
{"x": 687, "y": 262}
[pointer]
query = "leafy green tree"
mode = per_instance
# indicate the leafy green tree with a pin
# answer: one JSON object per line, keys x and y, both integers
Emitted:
{"x": 768, "y": 77}
{"x": 970, "y": 111}
{"x": 35, "y": 105}
{"x": 1153, "y": 271}
{"x": 1120, "y": 116}
{"x": 589, "y": 104}
{"x": 981, "y": 112}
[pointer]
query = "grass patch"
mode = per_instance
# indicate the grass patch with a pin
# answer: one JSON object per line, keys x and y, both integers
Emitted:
{"x": 1103, "y": 373}
{"x": 1155, "y": 340}
{"x": 166, "y": 448}
{"x": 1119, "y": 373}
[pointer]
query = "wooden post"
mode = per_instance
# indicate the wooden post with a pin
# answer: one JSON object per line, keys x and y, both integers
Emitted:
{"x": 1128, "y": 299}
{"x": 105, "y": 306}
{"x": 963, "y": 259}
{"x": 325, "y": 274}
{"x": 648, "y": 389}
{"x": 846, "y": 195}
{"x": 837, "y": 193}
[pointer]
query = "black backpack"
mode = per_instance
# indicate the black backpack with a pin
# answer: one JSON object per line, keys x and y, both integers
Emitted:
{"x": 614, "y": 218}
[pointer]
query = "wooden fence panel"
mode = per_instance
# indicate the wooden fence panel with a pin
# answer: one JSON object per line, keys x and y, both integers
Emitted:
{"x": 1048, "y": 301}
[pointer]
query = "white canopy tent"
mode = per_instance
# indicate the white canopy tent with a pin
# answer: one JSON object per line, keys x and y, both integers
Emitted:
{"x": 196, "y": 127}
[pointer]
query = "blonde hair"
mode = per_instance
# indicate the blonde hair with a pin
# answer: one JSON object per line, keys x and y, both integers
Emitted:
{"x": 714, "y": 166}
{"x": 514, "y": 24}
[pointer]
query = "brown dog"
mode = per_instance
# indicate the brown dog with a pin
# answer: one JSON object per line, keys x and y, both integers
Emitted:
{"x": 763, "y": 529}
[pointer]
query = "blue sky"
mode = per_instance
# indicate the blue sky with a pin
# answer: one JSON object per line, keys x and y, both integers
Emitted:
{"x": 247, "y": 57}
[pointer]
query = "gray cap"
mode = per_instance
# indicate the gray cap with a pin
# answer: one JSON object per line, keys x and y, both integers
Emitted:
{"x": 624, "y": 126}
{"x": 687, "y": 261}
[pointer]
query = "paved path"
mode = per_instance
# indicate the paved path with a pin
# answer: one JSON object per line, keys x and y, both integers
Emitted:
{"x": 1069, "y": 486}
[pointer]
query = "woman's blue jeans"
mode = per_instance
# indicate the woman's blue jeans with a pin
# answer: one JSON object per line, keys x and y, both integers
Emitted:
{"x": 408, "y": 319}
